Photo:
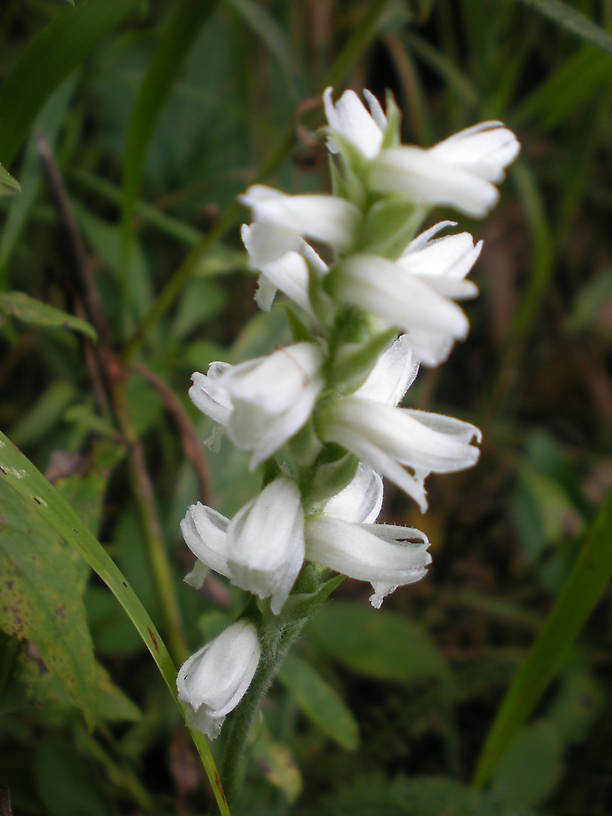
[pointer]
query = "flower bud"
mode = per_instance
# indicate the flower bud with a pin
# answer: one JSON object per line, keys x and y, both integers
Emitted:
{"x": 214, "y": 679}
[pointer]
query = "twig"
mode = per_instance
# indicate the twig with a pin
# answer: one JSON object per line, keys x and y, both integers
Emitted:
{"x": 84, "y": 263}
{"x": 189, "y": 437}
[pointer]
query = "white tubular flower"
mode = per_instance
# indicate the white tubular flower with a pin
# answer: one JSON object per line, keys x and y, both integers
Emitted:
{"x": 261, "y": 549}
{"x": 349, "y": 118}
{"x": 263, "y": 402}
{"x": 401, "y": 299}
{"x": 383, "y": 554}
{"x": 214, "y": 679}
{"x": 457, "y": 171}
{"x": 266, "y": 543}
{"x": 326, "y": 218}
{"x": 344, "y": 538}
{"x": 386, "y": 438}
{"x": 280, "y": 255}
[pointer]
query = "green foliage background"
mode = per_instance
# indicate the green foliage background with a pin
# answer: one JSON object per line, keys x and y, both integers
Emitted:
{"x": 127, "y": 127}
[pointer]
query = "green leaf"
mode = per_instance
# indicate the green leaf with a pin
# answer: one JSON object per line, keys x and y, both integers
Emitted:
{"x": 278, "y": 765}
{"x": 8, "y": 185}
{"x": 41, "y": 598}
{"x": 185, "y": 21}
{"x": 30, "y": 310}
{"x": 319, "y": 701}
{"x": 376, "y": 643}
{"x": 32, "y": 486}
{"x": 574, "y": 21}
{"x": 48, "y": 58}
{"x": 530, "y": 768}
{"x": 582, "y": 589}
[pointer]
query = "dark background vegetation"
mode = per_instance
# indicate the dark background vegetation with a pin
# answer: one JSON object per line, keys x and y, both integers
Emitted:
{"x": 423, "y": 682}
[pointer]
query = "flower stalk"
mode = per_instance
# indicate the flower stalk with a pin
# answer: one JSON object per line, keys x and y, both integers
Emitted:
{"x": 323, "y": 416}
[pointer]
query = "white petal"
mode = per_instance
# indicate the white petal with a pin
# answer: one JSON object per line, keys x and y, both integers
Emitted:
{"x": 289, "y": 273}
{"x": 392, "y": 375}
{"x": 431, "y": 348}
{"x": 383, "y": 288}
{"x": 266, "y": 242}
{"x": 351, "y": 120}
{"x": 209, "y": 395}
{"x": 385, "y": 555}
{"x": 387, "y": 437}
{"x": 361, "y": 500}
{"x": 425, "y": 177}
{"x": 204, "y": 531}
{"x": 326, "y": 218}
{"x": 485, "y": 149}
{"x": 274, "y": 251}
{"x": 266, "y": 542}
{"x": 265, "y": 293}
{"x": 375, "y": 109}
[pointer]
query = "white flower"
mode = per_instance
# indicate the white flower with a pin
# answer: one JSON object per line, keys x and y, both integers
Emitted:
{"x": 212, "y": 681}
{"x": 349, "y": 118}
{"x": 345, "y": 539}
{"x": 281, "y": 256}
{"x": 261, "y": 549}
{"x": 388, "y": 438}
{"x": 458, "y": 171}
{"x": 263, "y": 402}
{"x": 414, "y": 292}
{"x": 385, "y": 555}
{"x": 326, "y": 218}
{"x": 385, "y": 289}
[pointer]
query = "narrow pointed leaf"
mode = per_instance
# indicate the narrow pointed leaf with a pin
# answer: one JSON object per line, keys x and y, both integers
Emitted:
{"x": 30, "y": 310}
{"x": 183, "y": 26}
{"x": 573, "y": 20}
{"x": 581, "y": 591}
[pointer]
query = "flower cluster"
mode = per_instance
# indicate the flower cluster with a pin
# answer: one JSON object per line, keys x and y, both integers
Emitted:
{"x": 374, "y": 303}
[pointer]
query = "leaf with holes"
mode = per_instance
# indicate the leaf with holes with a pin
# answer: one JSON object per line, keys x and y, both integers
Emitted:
{"x": 41, "y": 601}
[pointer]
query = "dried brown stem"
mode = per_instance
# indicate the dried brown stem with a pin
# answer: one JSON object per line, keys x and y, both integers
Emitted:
{"x": 189, "y": 437}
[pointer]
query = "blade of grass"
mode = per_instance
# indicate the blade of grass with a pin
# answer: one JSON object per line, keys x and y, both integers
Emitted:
{"x": 573, "y": 20}
{"x": 182, "y": 28}
{"x": 23, "y": 477}
{"x": 580, "y": 593}
{"x": 49, "y": 57}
